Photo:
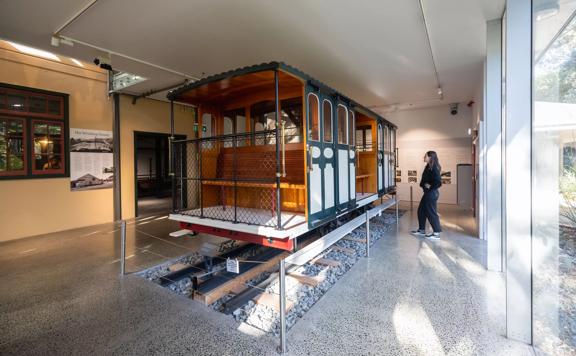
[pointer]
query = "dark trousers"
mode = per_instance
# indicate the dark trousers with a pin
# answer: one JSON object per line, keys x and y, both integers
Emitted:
{"x": 428, "y": 210}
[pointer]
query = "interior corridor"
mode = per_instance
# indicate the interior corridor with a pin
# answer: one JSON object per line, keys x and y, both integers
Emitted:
{"x": 410, "y": 297}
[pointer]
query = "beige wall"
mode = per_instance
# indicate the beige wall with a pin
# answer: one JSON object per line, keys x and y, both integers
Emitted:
{"x": 37, "y": 206}
{"x": 435, "y": 129}
{"x": 148, "y": 116}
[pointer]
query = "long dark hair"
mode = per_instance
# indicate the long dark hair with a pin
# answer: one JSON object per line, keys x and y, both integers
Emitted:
{"x": 434, "y": 162}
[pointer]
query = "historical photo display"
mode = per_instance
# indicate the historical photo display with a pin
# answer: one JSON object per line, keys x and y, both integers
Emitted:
{"x": 91, "y": 160}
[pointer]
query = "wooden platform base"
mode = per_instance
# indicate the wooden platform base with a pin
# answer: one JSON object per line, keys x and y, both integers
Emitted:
{"x": 233, "y": 285}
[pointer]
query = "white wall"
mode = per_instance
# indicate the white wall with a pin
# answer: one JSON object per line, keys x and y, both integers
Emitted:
{"x": 435, "y": 129}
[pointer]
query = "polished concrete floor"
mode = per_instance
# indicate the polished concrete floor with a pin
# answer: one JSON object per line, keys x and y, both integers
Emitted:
{"x": 60, "y": 294}
{"x": 153, "y": 205}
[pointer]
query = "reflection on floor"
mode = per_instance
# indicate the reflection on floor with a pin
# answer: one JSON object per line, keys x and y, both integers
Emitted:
{"x": 411, "y": 296}
{"x": 153, "y": 205}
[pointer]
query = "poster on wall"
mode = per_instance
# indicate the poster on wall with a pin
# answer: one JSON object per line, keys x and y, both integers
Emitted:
{"x": 91, "y": 160}
{"x": 446, "y": 177}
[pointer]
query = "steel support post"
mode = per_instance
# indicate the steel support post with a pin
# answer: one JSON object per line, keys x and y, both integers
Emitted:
{"x": 171, "y": 158}
{"x": 397, "y": 202}
{"x": 367, "y": 234}
{"x": 282, "y": 348}
{"x": 278, "y": 173}
{"x": 123, "y": 248}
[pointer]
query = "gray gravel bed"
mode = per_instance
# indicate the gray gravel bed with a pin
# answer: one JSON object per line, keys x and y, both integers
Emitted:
{"x": 305, "y": 296}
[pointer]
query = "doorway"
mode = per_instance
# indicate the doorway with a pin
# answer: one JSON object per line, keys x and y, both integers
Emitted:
{"x": 465, "y": 185}
{"x": 153, "y": 184}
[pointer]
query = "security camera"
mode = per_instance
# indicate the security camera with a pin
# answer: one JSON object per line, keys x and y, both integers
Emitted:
{"x": 454, "y": 108}
{"x": 103, "y": 63}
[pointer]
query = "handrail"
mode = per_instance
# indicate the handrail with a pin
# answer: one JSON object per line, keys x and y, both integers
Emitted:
{"x": 283, "y": 148}
{"x": 220, "y": 137}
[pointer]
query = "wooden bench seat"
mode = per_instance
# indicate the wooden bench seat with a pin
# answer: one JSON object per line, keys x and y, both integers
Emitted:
{"x": 362, "y": 178}
{"x": 254, "y": 184}
{"x": 256, "y": 163}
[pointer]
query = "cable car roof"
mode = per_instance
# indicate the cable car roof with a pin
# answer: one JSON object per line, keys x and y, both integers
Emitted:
{"x": 179, "y": 93}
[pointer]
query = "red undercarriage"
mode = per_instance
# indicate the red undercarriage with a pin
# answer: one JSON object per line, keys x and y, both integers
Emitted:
{"x": 283, "y": 244}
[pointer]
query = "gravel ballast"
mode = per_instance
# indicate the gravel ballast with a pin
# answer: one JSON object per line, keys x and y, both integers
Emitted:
{"x": 301, "y": 297}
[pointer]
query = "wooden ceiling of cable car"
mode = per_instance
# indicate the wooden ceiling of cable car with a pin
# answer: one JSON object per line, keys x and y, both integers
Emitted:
{"x": 233, "y": 88}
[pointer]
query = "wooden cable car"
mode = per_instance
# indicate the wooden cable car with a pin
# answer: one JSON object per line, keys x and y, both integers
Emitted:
{"x": 276, "y": 155}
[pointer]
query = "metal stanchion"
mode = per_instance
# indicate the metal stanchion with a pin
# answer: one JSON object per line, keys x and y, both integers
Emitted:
{"x": 282, "y": 348}
{"x": 367, "y": 235}
{"x": 411, "y": 199}
{"x": 397, "y": 202}
{"x": 123, "y": 248}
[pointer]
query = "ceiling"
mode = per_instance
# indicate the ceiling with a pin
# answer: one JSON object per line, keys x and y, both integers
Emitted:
{"x": 374, "y": 51}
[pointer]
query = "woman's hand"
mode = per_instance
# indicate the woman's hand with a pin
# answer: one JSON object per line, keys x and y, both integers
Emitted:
{"x": 427, "y": 186}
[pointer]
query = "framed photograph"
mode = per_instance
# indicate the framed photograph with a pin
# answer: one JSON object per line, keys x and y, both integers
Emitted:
{"x": 412, "y": 173}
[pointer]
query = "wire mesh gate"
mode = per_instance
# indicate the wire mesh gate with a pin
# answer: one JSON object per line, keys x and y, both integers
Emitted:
{"x": 230, "y": 178}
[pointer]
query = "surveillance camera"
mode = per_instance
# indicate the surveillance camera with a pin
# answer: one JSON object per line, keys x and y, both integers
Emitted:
{"x": 454, "y": 108}
{"x": 103, "y": 63}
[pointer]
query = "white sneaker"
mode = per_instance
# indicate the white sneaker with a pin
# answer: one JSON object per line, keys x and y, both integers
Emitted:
{"x": 435, "y": 236}
{"x": 418, "y": 232}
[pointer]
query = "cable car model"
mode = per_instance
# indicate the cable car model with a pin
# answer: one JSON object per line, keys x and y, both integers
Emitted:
{"x": 276, "y": 155}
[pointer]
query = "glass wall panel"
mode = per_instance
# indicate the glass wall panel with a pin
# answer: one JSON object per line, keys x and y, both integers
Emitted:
{"x": 554, "y": 177}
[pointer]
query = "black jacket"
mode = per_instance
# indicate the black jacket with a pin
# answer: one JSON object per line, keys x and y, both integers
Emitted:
{"x": 432, "y": 177}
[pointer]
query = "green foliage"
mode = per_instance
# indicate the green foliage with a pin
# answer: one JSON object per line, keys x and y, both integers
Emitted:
{"x": 555, "y": 71}
{"x": 568, "y": 193}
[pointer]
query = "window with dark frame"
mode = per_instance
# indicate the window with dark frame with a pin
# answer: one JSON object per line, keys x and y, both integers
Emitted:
{"x": 342, "y": 125}
{"x": 351, "y": 124}
{"x": 327, "y": 115}
{"x": 314, "y": 112}
{"x": 33, "y": 126}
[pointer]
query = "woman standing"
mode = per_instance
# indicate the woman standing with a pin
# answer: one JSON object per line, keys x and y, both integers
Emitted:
{"x": 427, "y": 209}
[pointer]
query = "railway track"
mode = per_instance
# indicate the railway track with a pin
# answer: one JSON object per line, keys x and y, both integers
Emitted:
{"x": 252, "y": 294}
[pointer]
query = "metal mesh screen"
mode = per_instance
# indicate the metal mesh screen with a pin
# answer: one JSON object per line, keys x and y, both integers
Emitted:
{"x": 230, "y": 178}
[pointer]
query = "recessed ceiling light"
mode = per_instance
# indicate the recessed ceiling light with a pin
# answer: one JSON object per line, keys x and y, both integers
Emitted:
{"x": 121, "y": 80}
{"x": 34, "y": 51}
